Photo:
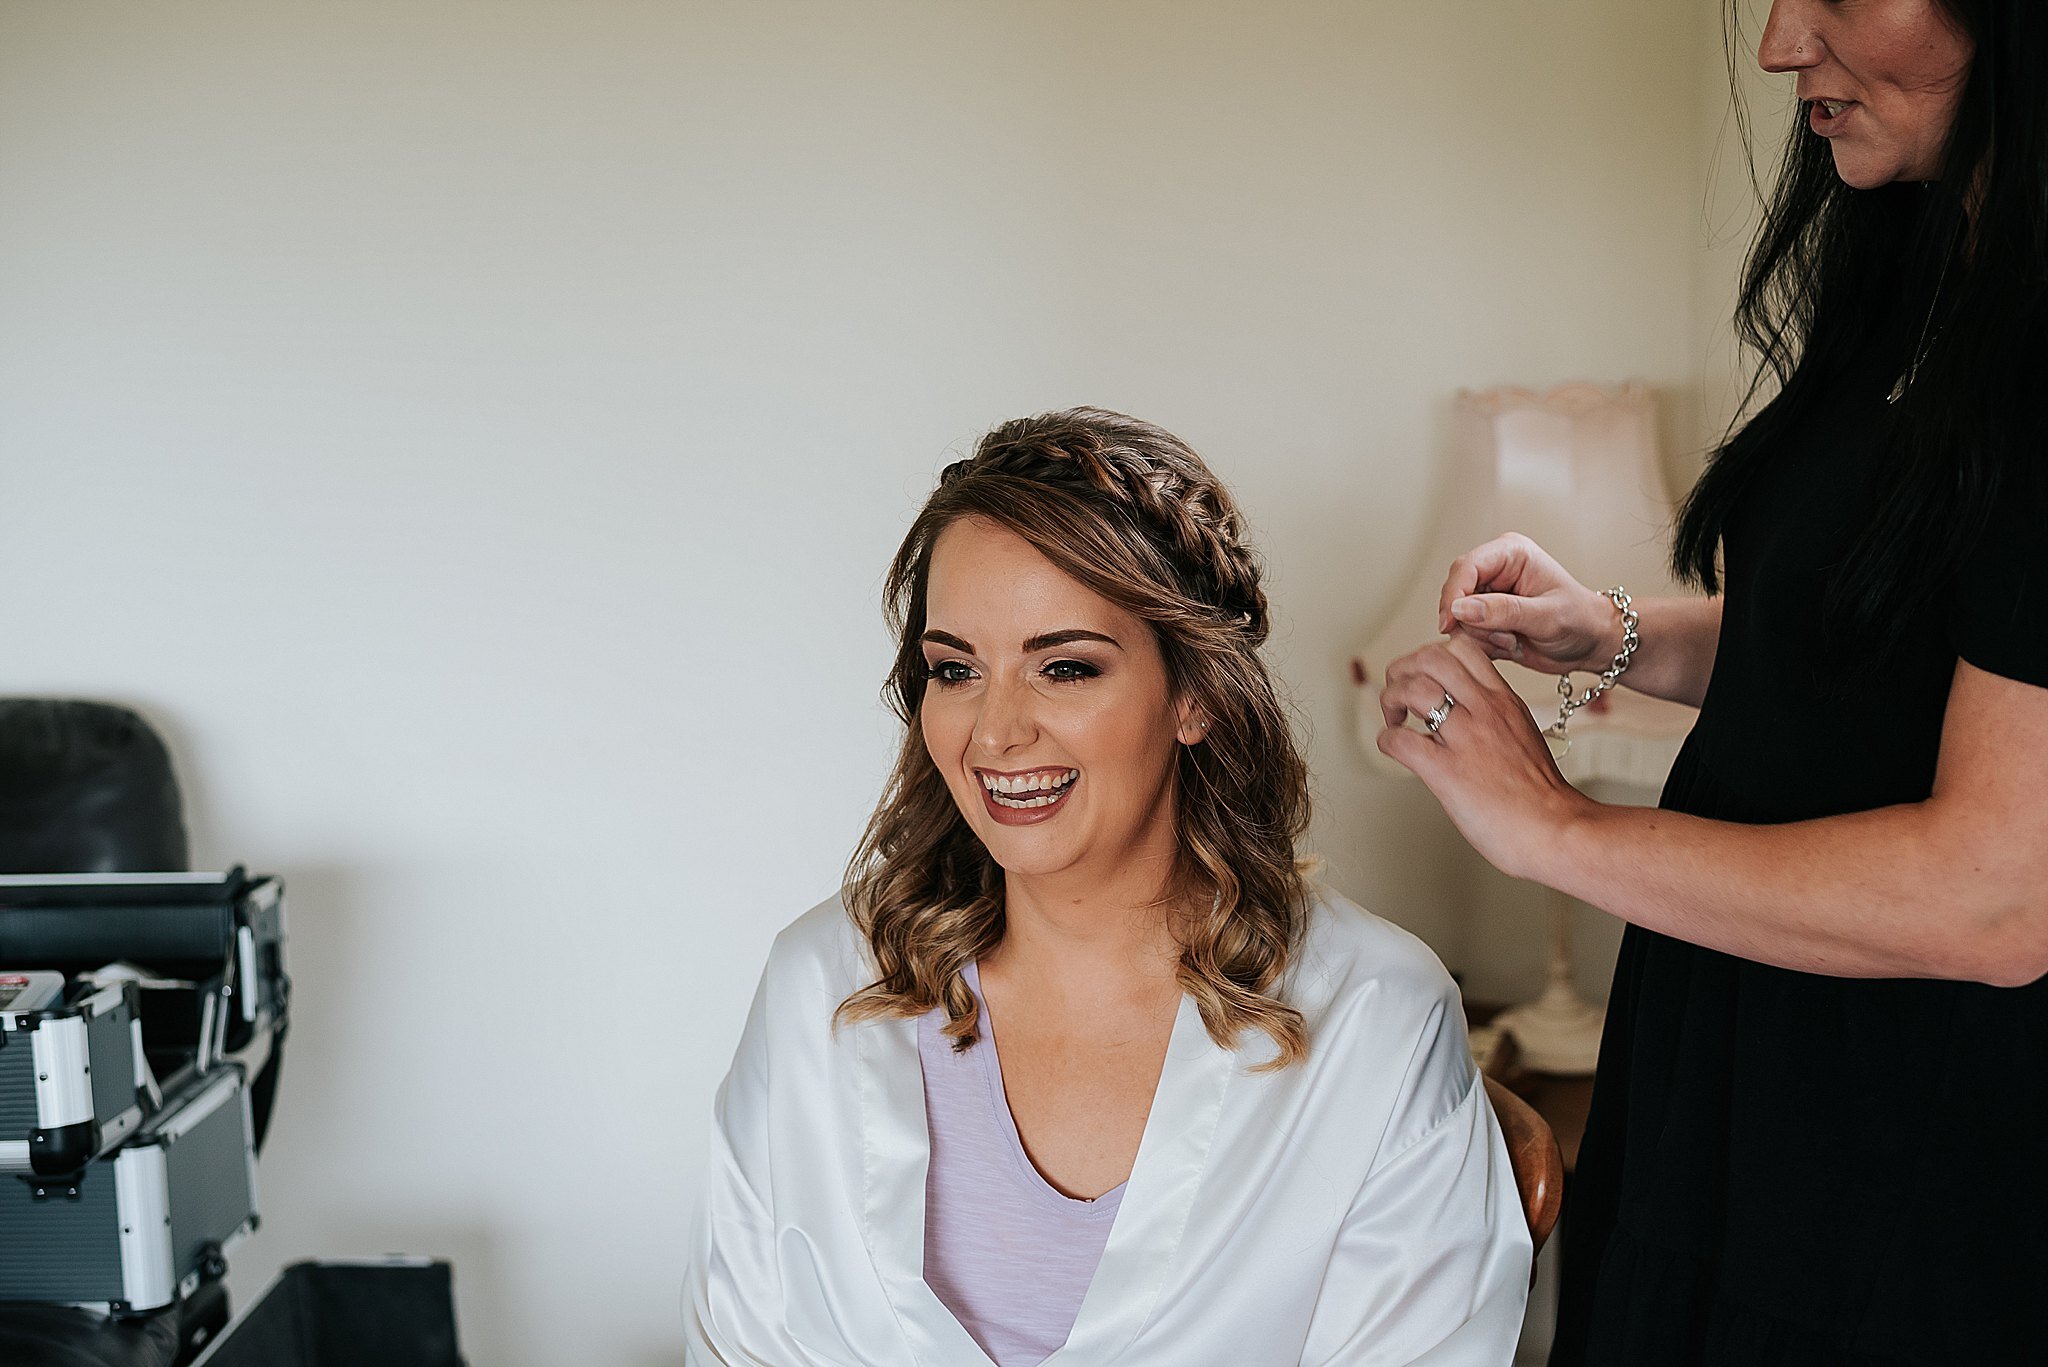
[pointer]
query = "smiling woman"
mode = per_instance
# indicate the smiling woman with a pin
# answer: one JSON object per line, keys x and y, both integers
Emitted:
{"x": 1080, "y": 1068}
{"x": 1102, "y": 567}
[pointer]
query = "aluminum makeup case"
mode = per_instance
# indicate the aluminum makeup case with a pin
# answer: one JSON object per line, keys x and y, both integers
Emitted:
{"x": 131, "y": 1107}
{"x": 204, "y": 950}
{"x": 146, "y": 1224}
{"x": 73, "y": 1081}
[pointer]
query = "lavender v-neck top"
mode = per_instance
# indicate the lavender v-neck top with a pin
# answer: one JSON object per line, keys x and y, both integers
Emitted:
{"x": 1006, "y": 1252}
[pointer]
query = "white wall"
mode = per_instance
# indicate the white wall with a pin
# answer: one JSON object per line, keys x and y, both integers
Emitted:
{"x": 474, "y": 432}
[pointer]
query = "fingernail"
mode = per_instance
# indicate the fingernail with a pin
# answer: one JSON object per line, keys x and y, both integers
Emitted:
{"x": 1466, "y": 610}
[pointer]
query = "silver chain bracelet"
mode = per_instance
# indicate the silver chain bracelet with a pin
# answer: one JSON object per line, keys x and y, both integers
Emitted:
{"x": 1560, "y": 743}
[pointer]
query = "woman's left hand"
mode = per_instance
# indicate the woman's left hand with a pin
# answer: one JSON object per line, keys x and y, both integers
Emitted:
{"x": 1487, "y": 763}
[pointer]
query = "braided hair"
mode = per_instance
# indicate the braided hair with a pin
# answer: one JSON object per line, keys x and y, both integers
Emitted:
{"x": 1131, "y": 512}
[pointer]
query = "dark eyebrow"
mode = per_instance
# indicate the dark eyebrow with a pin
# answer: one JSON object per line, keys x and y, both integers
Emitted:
{"x": 1066, "y": 638}
{"x": 1049, "y": 641}
{"x": 947, "y": 638}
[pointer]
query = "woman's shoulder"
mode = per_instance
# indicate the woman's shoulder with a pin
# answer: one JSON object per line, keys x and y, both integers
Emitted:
{"x": 820, "y": 951}
{"x": 1349, "y": 955}
{"x": 1380, "y": 1005}
{"x": 1996, "y": 588}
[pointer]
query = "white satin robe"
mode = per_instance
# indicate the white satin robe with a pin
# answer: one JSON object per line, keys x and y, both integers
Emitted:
{"x": 1355, "y": 1209}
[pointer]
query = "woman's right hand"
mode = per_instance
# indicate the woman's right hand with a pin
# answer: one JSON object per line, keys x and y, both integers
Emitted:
{"x": 1521, "y": 605}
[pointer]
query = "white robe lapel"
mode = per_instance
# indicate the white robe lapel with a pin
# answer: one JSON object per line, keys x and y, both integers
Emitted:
{"x": 1165, "y": 1178}
{"x": 1172, "y": 1157}
{"x": 896, "y": 1153}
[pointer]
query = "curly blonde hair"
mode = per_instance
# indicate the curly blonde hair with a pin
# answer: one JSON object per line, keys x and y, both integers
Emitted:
{"x": 1130, "y": 511}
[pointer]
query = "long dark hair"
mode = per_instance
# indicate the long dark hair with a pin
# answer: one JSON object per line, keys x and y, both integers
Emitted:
{"x": 1961, "y": 262}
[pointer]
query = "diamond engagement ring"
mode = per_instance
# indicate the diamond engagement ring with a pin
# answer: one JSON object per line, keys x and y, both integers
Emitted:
{"x": 1435, "y": 719}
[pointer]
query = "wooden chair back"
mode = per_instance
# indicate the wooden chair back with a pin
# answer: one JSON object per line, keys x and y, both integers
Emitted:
{"x": 1533, "y": 1152}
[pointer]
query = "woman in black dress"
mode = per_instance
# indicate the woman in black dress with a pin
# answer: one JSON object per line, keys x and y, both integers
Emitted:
{"x": 1820, "y": 1123}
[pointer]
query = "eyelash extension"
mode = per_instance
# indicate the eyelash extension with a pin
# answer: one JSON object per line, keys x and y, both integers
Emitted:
{"x": 1083, "y": 671}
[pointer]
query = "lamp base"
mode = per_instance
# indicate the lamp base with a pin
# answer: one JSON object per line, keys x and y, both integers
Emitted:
{"x": 1559, "y": 1032}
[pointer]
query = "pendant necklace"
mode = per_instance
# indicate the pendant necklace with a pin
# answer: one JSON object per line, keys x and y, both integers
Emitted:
{"x": 1912, "y": 370}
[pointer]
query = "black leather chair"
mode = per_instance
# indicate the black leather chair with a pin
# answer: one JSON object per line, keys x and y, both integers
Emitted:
{"x": 86, "y": 787}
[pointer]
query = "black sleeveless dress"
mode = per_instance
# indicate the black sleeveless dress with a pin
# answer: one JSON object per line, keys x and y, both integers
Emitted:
{"x": 1787, "y": 1170}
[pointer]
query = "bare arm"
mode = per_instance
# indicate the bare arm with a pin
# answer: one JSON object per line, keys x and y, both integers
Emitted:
{"x": 1952, "y": 887}
{"x": 1517, "y": 603}
{"x": 1676, "y": 657}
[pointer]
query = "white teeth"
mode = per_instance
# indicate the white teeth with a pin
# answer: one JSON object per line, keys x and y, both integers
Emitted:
{"x": 1834, "y": 107}
{"x": 1051, "y": 783}
{"x": 1029, "y": 783}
